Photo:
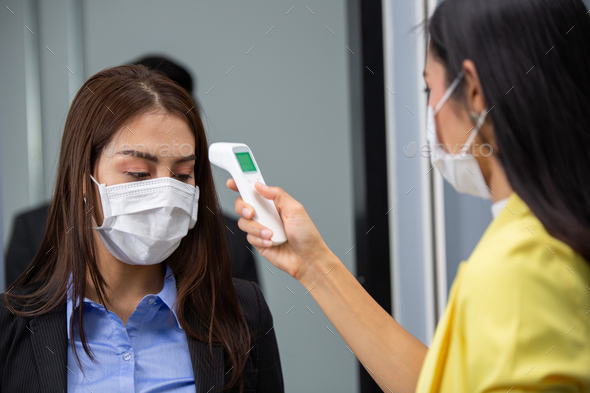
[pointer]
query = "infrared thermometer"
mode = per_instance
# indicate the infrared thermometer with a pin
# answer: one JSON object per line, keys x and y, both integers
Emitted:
{"x": 238, "y": 160}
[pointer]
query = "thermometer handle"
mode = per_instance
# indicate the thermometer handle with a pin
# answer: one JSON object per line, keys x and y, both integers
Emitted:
{"x": 265, "y": 211}
{"x": 238, "y": 160}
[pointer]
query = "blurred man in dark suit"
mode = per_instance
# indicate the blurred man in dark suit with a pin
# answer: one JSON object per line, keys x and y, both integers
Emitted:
{"x": 29, "y": 226}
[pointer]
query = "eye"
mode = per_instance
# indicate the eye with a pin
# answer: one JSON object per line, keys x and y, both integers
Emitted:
{"x": 427, "y": 91}
{"x": 183, "y": 177}
{"x": 138, "y": 175}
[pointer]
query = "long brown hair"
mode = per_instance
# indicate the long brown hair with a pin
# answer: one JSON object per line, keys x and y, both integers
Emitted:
{"x": 201, "y": 264}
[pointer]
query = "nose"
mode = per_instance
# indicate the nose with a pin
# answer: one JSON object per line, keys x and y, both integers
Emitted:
{"x": 164, "y": 171}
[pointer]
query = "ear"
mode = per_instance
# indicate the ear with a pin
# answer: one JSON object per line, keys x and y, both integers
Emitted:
{"x": 473, "y": 90}
{"x": 476, "y": 102}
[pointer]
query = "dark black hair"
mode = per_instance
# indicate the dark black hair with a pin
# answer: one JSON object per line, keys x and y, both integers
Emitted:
{"x": 533, "y": 63}
{"x": 173, "y": 70}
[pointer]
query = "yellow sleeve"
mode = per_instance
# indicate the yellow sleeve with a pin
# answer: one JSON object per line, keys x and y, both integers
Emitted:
{"x": 522, "y": 323}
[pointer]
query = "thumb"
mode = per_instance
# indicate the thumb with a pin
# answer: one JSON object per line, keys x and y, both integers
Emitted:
{"x": 281, "y": 199}
{"x": 266, "y": 191}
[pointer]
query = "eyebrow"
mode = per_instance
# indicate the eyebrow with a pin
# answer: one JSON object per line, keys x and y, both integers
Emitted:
{"x": 153, "y": 158}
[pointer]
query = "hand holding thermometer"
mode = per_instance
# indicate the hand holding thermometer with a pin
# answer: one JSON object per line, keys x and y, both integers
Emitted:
{"x": 238, "y": 160}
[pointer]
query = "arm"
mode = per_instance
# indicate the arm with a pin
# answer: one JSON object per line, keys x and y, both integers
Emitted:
{"x": 393, "y": 356}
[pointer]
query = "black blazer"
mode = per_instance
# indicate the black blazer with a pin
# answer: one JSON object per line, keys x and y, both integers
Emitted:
{"x": 28, "y": 229}
{"x": 33, "y": 351}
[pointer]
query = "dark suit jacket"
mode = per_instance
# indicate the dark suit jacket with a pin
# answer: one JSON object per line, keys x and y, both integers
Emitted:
{"x": 29, "y": 227}
{"x": 33, "y": 351}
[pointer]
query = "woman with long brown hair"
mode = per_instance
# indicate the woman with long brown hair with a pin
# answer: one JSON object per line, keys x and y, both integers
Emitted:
{"x": 131, "y": 289}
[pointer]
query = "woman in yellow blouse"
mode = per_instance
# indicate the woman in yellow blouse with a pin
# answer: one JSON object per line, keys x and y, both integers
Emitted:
{"x": 513, "y": 75}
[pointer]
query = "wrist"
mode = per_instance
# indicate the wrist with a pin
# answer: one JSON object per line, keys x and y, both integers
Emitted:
{"x": 316, "y": 266}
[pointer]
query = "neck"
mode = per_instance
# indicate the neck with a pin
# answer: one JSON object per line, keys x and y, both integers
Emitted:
{"x": 126, "y": 284}
{"x": 495, "y": 177}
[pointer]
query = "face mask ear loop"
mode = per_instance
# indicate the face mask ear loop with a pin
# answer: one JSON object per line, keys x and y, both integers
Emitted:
{"x": 92, "y": 214}
{"x": 195, "y": 211}
{"x": 94, "y": 180}
{"x": 476, "y": 128}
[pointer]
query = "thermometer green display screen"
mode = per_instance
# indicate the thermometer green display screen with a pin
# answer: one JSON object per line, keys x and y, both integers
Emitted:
{"x": 246, "y": 162}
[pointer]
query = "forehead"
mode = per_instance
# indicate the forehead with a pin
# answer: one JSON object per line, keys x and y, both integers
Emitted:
{"x": 155, "y": 127}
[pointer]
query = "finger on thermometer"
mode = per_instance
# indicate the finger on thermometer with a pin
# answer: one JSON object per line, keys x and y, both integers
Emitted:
{"x": 231, "y": 184}
{"x": 258, "y": 242}
{"x": 254, "y": 228}
{"x": 243, "y": 209}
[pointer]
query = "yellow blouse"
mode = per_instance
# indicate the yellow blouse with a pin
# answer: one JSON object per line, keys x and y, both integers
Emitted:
{"x": 518, "y": 316}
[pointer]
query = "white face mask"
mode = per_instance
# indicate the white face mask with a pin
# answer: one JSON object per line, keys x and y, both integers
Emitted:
{"x": 461, "y": 170}
{"x": 144, "y": 221}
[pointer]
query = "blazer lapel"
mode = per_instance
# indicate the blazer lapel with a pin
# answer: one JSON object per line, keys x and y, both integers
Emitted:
{"x": 49, "y": 342}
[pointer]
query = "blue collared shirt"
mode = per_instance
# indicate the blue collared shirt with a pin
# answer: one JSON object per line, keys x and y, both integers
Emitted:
{"x": 149, "y": 354}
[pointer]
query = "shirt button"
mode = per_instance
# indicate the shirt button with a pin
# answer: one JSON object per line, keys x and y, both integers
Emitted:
{"x": 152, "y": 301}
{"x": 127, "y": 356}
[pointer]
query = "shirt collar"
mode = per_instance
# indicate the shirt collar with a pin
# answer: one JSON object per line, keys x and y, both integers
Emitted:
{"x": 168, "y": 292}
{"x": 167, "y": 295}
{"x": 498, "y": 206}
